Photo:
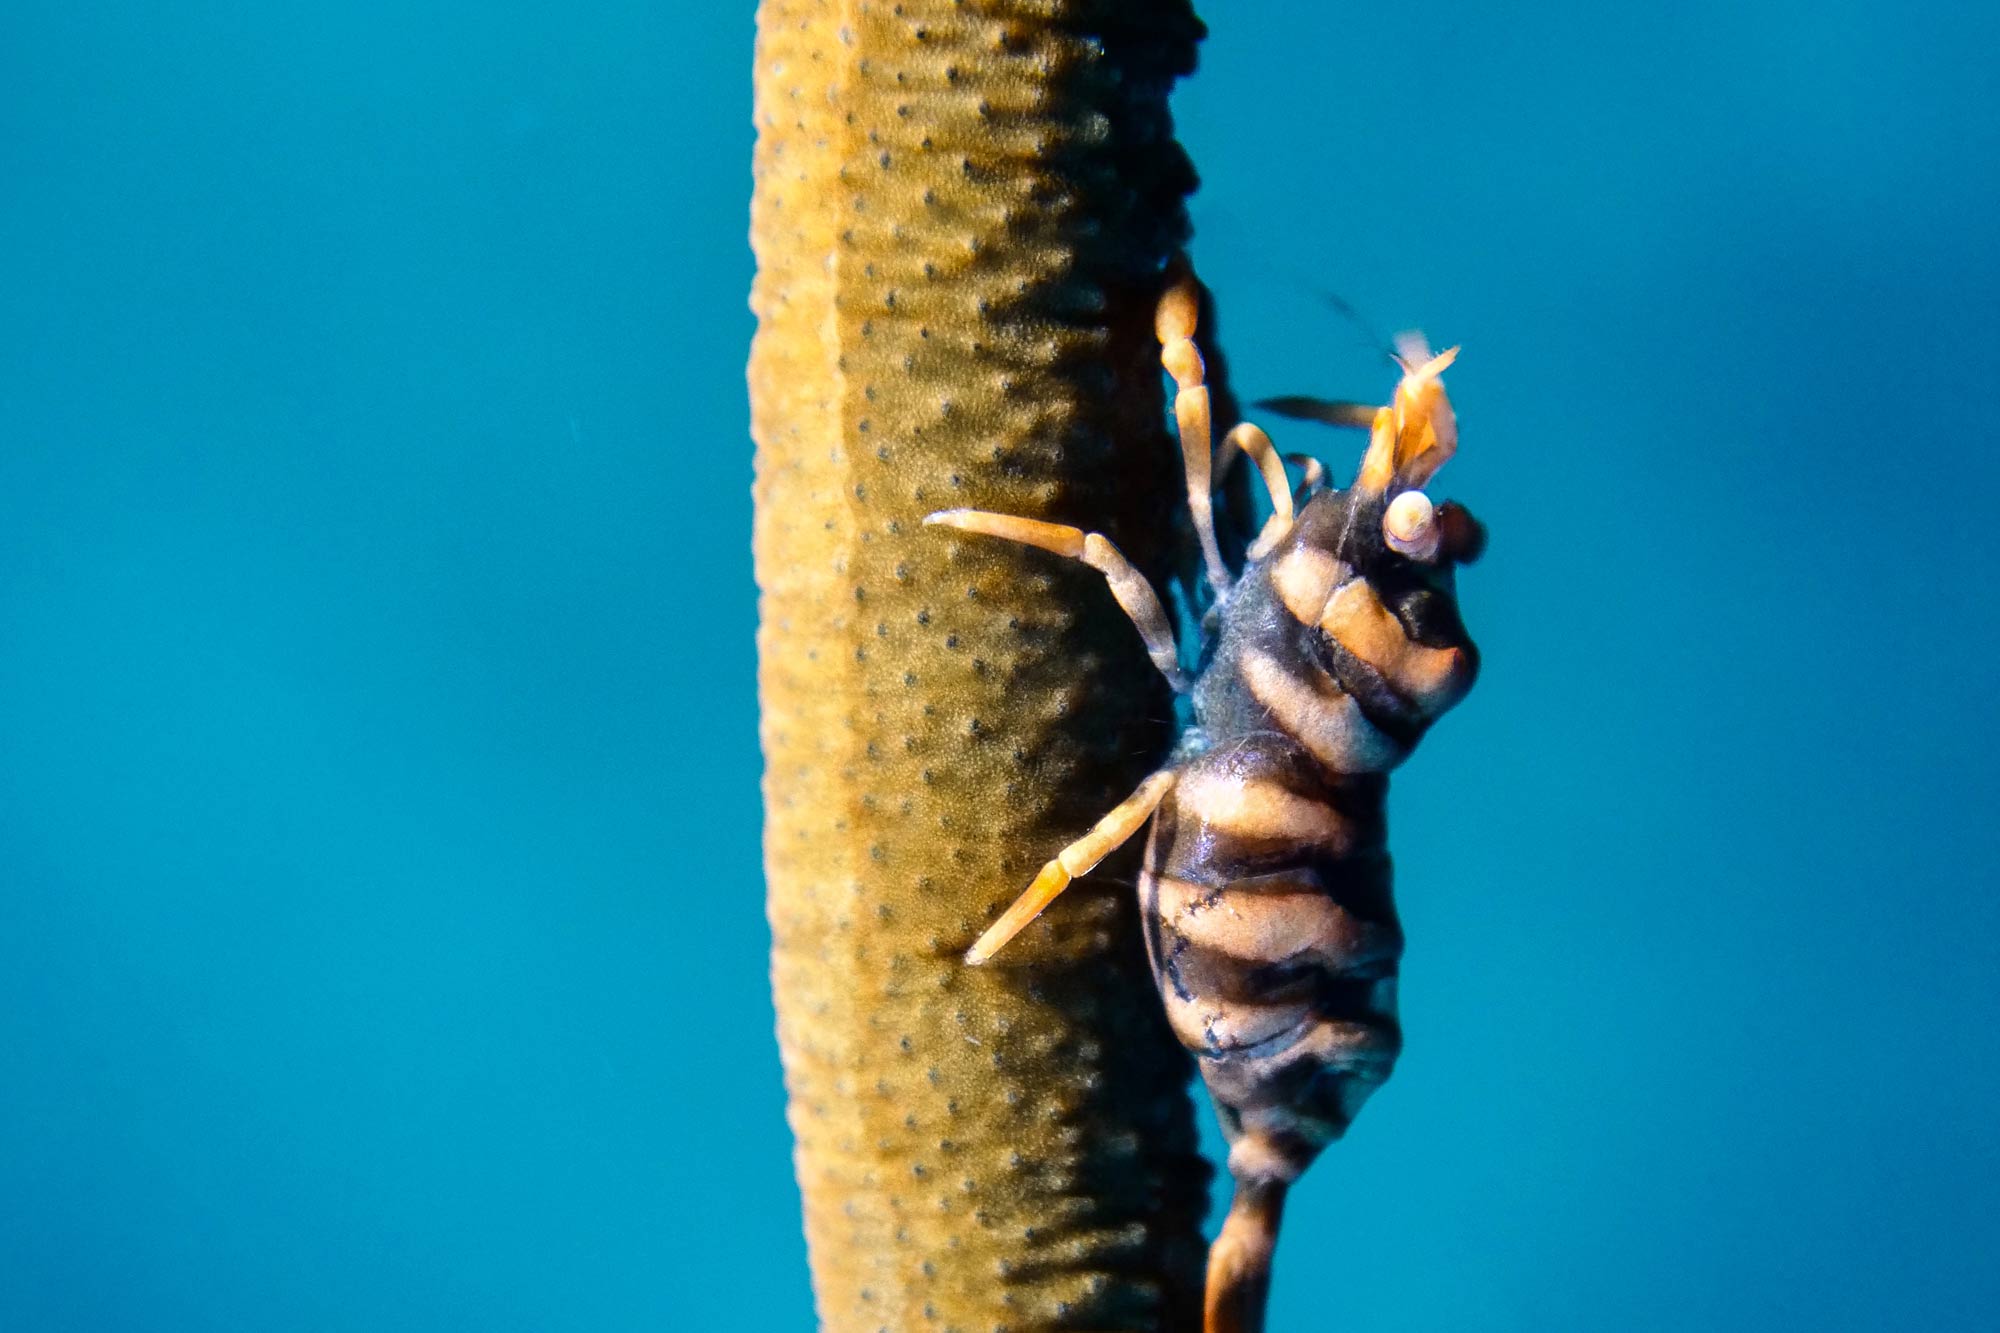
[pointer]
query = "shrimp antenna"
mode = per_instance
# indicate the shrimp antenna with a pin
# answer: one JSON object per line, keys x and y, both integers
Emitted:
{"x": 1336, "y": 411}
{"x": 1345, "y": 309}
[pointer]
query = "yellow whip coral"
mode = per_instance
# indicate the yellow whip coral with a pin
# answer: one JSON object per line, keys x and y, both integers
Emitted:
{"x": 961, "y": 218}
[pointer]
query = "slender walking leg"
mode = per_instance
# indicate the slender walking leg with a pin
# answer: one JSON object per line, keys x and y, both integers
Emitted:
{"x": 1251, "y": 440}
{"x": 1173, "y": 323}
{"x": 1105, "y": 837}
{"x": 1135, "y": 595}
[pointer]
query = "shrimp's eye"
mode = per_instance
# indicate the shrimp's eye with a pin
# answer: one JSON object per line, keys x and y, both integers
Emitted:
{"x": 1410, "y": 526}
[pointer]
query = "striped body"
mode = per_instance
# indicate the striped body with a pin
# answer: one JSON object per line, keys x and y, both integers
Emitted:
{"x": 1266, "y": 888}
{"x": 1266, "y": 891}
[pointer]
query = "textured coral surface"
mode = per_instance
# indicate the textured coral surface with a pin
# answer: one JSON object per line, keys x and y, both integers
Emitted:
{"x": 960, "y": 218}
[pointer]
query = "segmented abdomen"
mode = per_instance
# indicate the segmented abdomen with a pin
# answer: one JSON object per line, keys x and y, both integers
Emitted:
{"x": 1273, "y": 937}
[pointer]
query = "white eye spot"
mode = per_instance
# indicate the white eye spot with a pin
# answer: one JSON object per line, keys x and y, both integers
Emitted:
{"x": 1410, "y": 526}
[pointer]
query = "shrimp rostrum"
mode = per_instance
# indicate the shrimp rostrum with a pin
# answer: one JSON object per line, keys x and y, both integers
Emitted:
{"x": 1265, "y": 894}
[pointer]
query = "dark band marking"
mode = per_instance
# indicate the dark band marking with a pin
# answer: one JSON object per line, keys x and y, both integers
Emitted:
{"x": 1380, "y": 703}
{"x": 1431, "y": 679}
{"x": 1325, "y": 720}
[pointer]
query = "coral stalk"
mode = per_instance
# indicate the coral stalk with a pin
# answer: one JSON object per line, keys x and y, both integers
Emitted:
{"x": 961, "y": 217}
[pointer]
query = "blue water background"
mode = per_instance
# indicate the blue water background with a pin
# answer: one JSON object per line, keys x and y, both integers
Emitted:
{"x": 381, "y": 944}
